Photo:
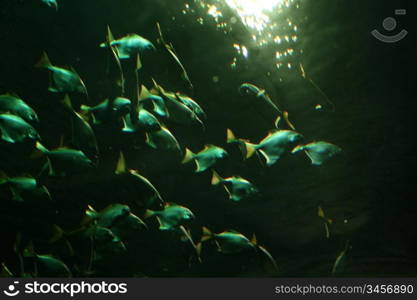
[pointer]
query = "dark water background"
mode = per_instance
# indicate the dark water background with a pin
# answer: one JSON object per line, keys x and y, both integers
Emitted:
{"x": 372, "y": 84}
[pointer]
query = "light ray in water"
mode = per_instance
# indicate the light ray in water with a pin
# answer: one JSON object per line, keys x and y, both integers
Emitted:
{"x": 254, "y": 13}
{"x": 269, "y": 23}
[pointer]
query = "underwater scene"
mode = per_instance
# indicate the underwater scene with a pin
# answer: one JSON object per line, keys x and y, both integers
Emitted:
{"x": 207, "y": 138}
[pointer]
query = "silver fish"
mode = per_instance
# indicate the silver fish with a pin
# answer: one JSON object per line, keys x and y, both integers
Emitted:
{"x": 229, "y": 241}
{"x": 275, "y": 145}
{"x": 206, "y": 158}
{"x": 14, "y": 129}
{"x": 260, "y": 94}
{"x": 16, "y": 106}
{"x": 318, "y": 152}
{"x": 163, "y": 139}
{"x": 51, "y": 3}
{"x": 172, "y": 216}
{"x": 108, "y": 110}
{"x": 130, "y": 45}
{"x": 237, "y": 187}
{"x": 63, "y": 80}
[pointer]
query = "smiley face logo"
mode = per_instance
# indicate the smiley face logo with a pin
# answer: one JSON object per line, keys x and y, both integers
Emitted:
{"x": 390, "y": 24}
{"x": 11, "y": 290}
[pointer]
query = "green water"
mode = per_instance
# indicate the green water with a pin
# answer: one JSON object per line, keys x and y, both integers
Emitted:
{"x": 365, "y": 89}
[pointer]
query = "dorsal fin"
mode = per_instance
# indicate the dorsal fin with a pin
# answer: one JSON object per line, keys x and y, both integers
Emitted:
{"x": 61, "y": 142}
{"x": 144, "y": 92}
{"x": 138, "y": 62}
{"x": 121, "y": 164}
{"x": 230, "y": 136}
{"x": 67, "y": 102}
{"x": 253, "y": 240}
{"x": 158, "y": 87}
{"x": 271, "y": 132}
{"x": 109, "y": 36}
{"x": 207, "y": 146}
{"x": 12, "y": 94}
{"x": 320, "y": 212}
{"x": 44, "y": 61}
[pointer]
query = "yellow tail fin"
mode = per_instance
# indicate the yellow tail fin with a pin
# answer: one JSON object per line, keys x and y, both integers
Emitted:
{"x": 216, "y": 178}
{"x": 250, "y": 150}
{"x": 207, "y": 234}
{"x": 189, "y": 155}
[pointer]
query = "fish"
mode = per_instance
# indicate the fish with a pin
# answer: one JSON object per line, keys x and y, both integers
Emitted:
{"x": 275, "y": 145}
{"x": 105, "y": 244}
{"x": 45, "y": 265}
{"x": 62, "y": 80}
{"x": 83, "y": 136}
{"x": 163, "y": 139}
{"x": 240, "y": 143}
{"x": 63, "y": 161}
{"x": 318, "y": 152}
{"x": 237, "y": 187}
{"x": 172, "y": 216}
{"x": 340, "y": 262}
{"x": 128, "y": 227}
{"x": 248, "y": 89}
{"x": 51, "y": 3}
{"x": 153, "y": 103}
{"x": 15, "y": 130}
{"x": 145, "y": 121}
{"x": 266, "y": 256}
{"x": 206, "y": 158}
{"x": 170, "y": 48}
{"x": 49, "y": 266}
{"x": 108, "y": 110}
{"x": 193, "y": 105}
{"x": 5, "y": 272}
{"x": 130, "y": 45}
{"x": 19, "y": 185}
{"x": 118, "y": 218}
{"x": 115, "y": 55}
{"x": 16, "y": 106}
{"x": 178, "y": 112}
{"x": 136, "y": 182}
{"x": 108, "y": 216}
{"x": 327, "y": 221}
{"x": 229, "y": 241}
{"x": 327, "y": 100}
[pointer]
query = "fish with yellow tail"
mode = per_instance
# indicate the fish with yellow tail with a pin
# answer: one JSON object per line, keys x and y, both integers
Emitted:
{"x": 273, "y": 147}
{"x": 62, "y": 80}
{"x": 206, "y": 158}
{"x": 318, "y": 152}
{"x": 237, "y": 187}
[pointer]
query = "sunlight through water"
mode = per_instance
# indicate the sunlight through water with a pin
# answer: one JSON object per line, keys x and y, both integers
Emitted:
{"x": 254, "y": 12}
{"x": 269, "y": 23}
